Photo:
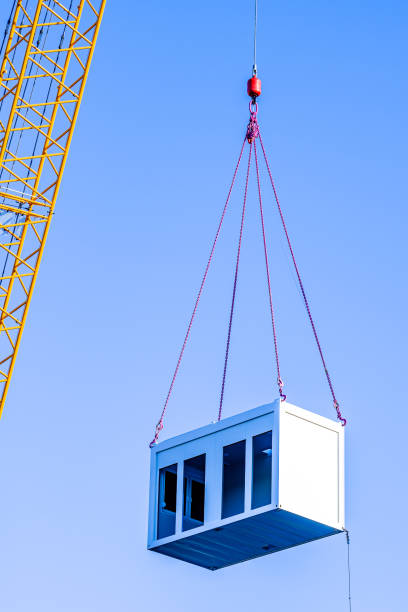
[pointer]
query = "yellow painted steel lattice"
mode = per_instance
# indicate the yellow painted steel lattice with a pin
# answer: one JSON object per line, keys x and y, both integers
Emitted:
{"x": 43, "y": 73}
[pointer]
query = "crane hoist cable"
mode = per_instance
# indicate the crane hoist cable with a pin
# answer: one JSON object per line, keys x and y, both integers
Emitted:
{"x": 41, "y": 39}
{"x": 35, "y": 146}
{"x": 54, "y": 69}
{"x": 6, "y": 29}
{"x": 6, "y": 32}
{"x": 6, "y": 187}
{"x": 21, "y": 118}
{"x": 18, "y": 118}
{"x": 254, "y": 68}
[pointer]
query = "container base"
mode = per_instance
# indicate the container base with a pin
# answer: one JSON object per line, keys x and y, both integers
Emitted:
{"x": 246, "y": 539}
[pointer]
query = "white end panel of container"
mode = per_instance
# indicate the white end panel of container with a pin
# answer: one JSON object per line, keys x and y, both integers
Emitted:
{"x": 311, "y": 470}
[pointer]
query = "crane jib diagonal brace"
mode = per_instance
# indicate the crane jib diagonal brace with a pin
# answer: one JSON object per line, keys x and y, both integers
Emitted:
{"x": 42, "y": 78}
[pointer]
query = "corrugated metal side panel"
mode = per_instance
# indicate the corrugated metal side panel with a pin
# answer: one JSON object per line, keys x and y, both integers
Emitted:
{"x": 246, "y": 539}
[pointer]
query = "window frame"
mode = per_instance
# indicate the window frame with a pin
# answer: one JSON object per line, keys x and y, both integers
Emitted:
{"x": 244, "y": 442}
{"x": 162, "y": 490}
{"x": 270, "y": 469}
{"x": 187, "y": 491}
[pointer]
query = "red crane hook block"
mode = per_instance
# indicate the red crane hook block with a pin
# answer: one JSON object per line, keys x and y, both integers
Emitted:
{"x": 254, "y": 87}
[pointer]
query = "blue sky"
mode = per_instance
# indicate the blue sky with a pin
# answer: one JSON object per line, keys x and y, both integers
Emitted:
{"x": 153, "y": 153}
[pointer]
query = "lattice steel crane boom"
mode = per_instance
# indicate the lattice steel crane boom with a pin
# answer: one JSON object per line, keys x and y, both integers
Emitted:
{"x": 46, "y": 62}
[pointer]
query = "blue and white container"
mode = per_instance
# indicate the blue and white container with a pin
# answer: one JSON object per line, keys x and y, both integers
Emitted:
{"x": 252, "y": 484}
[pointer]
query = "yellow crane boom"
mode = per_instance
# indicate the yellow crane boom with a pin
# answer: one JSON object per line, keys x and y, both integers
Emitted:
{"x": 43, "y": 74}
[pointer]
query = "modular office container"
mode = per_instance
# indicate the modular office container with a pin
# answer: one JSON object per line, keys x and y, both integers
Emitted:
{"x": 251, "y": 484}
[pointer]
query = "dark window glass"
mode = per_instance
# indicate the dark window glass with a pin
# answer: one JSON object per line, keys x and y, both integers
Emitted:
{"x": 166, "y": 519}
{"x": 170, "y": 491}
{"x": 194, "y": 492}
{"x": 197, "y": 501}
{"x": 233, "y": 482}
{"x": 261, "y": 469}
{"x": 185, "y": 496}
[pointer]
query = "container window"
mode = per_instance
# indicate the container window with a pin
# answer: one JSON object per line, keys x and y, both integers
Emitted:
{"x": 194, "y": 492}
{"x": 233, "y": 482}
{"x": 261, "y": 469}
{"x": 166, "y": 520}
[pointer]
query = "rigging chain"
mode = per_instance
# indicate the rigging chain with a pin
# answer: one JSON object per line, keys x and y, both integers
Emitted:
{"x": 252, "y": 133}
{"x": 159, "y": 425}
{"x": 234, "y": 290}
{"x": 302, "y": 289}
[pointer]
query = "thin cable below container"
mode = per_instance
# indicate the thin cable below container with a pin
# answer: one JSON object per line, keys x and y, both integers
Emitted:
{"x": 348, "y": 567}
